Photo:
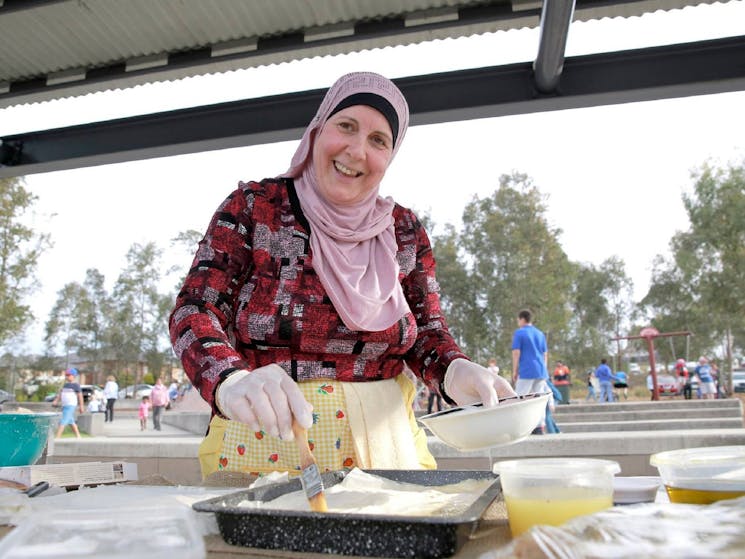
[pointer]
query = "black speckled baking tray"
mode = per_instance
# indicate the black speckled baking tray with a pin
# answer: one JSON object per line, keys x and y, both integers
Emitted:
{"x": 351, "y": 534}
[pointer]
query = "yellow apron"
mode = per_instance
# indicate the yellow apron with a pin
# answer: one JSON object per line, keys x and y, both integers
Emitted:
{"x": 355, "y": 424}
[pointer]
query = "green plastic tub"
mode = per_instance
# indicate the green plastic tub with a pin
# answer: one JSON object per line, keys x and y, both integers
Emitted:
{"x": 23, "y": 436}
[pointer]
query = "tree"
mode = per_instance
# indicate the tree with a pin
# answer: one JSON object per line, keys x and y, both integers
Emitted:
{"x": 187, "y": 241}
{"x": 20, "y": 249}
{"x": 716, "y": 210}
{"x": 602, "y": 308}
{"x": 62, "y": 329}
{"x": 95, "y": 308}
{"x": 138, "y": 327}
{"x": 506, "y": 257}
{"x": 703, "y": 285}
{"x": 77, "y": 321}
{"x": 457, "y": 290}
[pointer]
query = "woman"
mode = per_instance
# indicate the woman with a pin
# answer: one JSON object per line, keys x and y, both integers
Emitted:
{"x": 309, "y": 293}
{"x": 111, "y": 394}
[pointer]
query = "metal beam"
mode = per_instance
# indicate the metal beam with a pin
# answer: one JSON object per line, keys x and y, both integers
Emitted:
{"x": 556, "y": 15}
{"x": 639, "y": 75}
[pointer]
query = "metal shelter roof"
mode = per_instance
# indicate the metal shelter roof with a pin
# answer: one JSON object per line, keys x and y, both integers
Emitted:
{"x": 59, "y": 48}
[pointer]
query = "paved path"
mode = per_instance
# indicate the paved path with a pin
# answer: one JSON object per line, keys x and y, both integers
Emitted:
{"x": 128, "y": 425}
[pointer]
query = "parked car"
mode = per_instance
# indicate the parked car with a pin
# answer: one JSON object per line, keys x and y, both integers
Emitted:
{"x": 90, "y": 389}
{"x": 634, "y": 368}
{"x": 5, "y": 397}
{"x": 667, "y": 385}
{"x": 738, "y": 380}
{"x": 136, "y": 391}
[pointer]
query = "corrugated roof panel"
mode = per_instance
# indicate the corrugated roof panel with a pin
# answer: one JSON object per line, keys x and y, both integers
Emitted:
{"x": 56, "y": 42}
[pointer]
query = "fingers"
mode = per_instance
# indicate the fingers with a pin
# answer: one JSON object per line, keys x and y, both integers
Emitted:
{"x": 301, "y": 410}
{"x": 240, "y": 410}
{"x": 504, "y": 389}
{"x": 489, "y": 396}
{"x": 266, "y": 398}
{"x": 278, "y": 415}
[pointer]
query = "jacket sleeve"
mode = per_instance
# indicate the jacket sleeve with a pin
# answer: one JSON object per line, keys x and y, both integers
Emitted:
{"x": 200, "y": 321}
{"x": 435, "y": 347}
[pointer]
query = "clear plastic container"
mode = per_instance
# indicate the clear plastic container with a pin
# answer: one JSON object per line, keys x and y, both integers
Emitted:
{"x": 553, "y": 490}
{"x": 702, "y": 475}
{"x": 115, "y": 533}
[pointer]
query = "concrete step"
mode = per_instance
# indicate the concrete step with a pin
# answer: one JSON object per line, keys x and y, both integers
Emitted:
{"x": 659, "y": 425}
{"x": 690, "y": 414}
{"x": 581, "y": 407}
{"x": 631, "y": 452}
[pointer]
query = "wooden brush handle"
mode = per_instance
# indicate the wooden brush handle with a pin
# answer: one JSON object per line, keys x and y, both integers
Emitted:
{"x": 303, "y": 447}
{"x": 310, "y": 475}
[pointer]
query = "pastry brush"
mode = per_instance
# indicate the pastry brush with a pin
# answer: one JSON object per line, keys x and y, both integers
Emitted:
{"x": 310, "y": 476}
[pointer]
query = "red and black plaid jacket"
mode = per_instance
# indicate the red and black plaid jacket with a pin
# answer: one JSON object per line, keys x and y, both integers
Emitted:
{"x": 252, "y": 298}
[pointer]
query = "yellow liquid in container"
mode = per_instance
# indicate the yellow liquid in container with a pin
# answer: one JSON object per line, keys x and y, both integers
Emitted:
{"x": 700, "y": 496}
{"x": 532, "y": 508}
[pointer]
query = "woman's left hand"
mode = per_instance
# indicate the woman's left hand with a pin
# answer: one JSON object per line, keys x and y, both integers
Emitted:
{"x": 468, "y": 383}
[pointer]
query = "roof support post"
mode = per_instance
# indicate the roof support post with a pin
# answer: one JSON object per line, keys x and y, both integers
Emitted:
{"x": 556, "y": 15}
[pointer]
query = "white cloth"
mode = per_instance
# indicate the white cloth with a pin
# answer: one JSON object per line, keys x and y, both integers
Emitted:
{"x": 380, "y": 426}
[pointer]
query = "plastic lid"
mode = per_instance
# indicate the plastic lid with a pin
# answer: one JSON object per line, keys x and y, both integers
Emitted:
{"x": 702, "y": 456}
{"x": 553, "y": 468}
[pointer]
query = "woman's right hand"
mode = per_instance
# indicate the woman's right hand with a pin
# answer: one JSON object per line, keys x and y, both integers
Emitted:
{"x": 265, "y": 397}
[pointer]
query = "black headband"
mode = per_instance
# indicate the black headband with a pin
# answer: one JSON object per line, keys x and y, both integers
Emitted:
{"x": 380, "y": 104}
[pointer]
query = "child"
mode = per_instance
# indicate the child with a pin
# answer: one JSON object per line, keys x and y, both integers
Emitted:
{"x": 71, "y": 396}
{"x": 94, "y": 405}
{"x": 144, "y": 409}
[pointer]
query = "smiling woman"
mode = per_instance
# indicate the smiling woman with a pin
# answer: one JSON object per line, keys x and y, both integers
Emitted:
{"x": 308, "y": 295}
{"x": 351, "y": 154}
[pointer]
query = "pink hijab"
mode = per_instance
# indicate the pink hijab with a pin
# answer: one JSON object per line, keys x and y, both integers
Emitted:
{"x": 354, "y": 247}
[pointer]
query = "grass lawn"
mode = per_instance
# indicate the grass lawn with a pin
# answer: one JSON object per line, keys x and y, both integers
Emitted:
{"x": 68, "y": 434}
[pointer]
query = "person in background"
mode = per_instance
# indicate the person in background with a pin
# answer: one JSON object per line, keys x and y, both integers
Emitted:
{"x": 434, "y": 397}
{"x": 706, "y": 379}
{"x": 111, "y": 394}
{"x": 307, "y": 296}
{"x": 605, "y": 378}
{"x": 562, "y": 381}
{"x": 551, "y": 426}
{"x": 529, "y": 358}
{"x": 173, "y": 391}
{"x": 684, "y": 378}
{"x": 143, "y": 411}
{"x": 590, "y": 388}
{"x": 715, "y": 375}
{"x": 159, "y": 400}
{"x": 95, "y": 405}
{"x": 621, "y": 382}
{"x": 70, "y": 397}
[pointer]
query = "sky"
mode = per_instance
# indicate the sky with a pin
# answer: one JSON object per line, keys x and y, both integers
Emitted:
{"x": 613, "y": 175}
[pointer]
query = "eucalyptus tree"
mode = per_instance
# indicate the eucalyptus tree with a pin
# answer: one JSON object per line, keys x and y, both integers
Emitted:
{"x": 78, "y": 320}
{"x": 602, "y": 309}
{"x": 20, "y": 249}
{"x": 62, "y": 330}
{"x": 702, "y": 285}
{"x": 716, "y": 210}
{"x": 137, "y": 327}
{"x": 458, "y": 292}
{"x": 506, "y": 257}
